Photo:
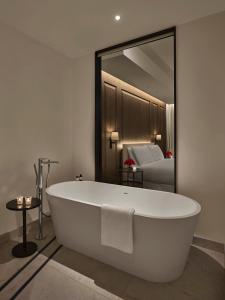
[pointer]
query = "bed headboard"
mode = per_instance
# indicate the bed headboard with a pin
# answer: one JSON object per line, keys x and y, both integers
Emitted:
{"x": 125, "y": 154}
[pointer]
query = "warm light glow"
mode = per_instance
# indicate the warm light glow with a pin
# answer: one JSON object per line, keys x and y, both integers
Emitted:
{"x": 134, "y": 168}
{"x": 158, "y": 137}
{"x": 134, "y": 90}
{"x": 28, "y": 201}
{"x": 132, "y": 142}
{"x": 114, "y": 136}
{"x": 19, "y": 200}
{"x": 117, "y": 18}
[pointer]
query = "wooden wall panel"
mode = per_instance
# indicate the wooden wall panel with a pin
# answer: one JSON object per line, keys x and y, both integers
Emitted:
{"x": 153, "y": 120}
{"x": 109, "y": 124}
{"x": 137, "y": 117}
{"x": 162, "y": 127}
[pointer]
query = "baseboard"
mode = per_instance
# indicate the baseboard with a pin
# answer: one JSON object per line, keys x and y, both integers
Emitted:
{"x": 209, "y": 239}
{"x": 209, "y": 244}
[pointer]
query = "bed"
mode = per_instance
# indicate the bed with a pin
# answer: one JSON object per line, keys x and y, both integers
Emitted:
{"x": 158, "y": 171}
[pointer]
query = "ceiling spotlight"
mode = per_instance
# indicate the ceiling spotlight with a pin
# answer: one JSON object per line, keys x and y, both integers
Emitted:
{"x": 117, "y": 18}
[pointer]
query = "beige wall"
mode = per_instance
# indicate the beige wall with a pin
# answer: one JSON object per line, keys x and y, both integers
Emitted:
{"x": 201, "y": 121}
{"x": 83, "y": 117}
{"x": 35, "y": 117}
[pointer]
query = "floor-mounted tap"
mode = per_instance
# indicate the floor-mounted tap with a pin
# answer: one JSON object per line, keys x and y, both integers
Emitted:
{"x": 39, "y": 189}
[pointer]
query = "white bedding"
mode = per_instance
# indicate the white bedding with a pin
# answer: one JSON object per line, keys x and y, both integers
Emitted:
{"x": 158, "y": 171}
{"x": 161, "y": 171}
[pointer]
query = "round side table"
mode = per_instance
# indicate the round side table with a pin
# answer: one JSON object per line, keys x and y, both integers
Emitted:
{"x": 25, "y": 248}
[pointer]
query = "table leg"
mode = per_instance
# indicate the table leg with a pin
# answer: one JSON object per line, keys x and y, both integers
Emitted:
{"x": 24, "y": 228}
{"x": 25, "y": 248}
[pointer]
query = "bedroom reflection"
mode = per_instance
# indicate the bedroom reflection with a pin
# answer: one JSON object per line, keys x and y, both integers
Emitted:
{"x": 138, "y": 116}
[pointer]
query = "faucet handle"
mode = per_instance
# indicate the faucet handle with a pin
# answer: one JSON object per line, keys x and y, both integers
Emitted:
{"x": 47, "y": 161}
{"x": 53, "y": 162}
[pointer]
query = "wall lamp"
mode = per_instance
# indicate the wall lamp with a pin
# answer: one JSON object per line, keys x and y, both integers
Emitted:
{"x": 158, "y": 138}
{"x": 114, "y": 138}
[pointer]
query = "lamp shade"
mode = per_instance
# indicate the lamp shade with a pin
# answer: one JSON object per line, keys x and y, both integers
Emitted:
{"x": 158, "y": 137}
{"x": 115, "y": 136}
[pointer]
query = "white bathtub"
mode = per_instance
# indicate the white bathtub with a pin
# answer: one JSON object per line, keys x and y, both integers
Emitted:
{"x": 164, "y": 225}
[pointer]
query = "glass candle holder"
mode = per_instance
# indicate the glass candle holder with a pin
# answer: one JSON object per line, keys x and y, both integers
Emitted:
{"x": 134, "y": 168}
{"x": 19, "y": 200}
{"x": 28, "y": 201}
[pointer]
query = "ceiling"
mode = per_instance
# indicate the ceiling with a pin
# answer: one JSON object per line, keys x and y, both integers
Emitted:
{"x": 148, "y": 67}
{"x": 78, "y": 27}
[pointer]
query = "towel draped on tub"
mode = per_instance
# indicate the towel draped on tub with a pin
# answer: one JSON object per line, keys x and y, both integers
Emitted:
{"x": 117, "y": 227}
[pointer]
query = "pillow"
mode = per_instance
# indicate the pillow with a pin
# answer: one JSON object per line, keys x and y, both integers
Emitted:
{"x": 156, "y": 152}
{"x": 142, "y": 154}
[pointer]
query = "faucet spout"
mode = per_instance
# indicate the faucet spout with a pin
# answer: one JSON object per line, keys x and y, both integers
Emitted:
{"x": 46, "y": 161}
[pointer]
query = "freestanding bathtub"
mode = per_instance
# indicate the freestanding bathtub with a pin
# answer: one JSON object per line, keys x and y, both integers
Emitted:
{"x": 164, "y": 225}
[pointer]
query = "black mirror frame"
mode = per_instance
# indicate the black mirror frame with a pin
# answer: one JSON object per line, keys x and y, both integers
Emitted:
{"x": 98, "y": 125}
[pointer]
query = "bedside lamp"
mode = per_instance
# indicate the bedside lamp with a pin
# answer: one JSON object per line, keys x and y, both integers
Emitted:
{"x": 114, "y": 138}
{"x": 158, "y": 137}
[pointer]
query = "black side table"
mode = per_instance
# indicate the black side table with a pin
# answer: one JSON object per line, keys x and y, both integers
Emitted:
{"x": 25, "y": 248}
{"x": 131, "y": 178}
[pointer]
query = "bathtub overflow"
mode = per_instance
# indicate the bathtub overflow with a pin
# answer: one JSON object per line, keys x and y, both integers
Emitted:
{"x": 125, "y": 193}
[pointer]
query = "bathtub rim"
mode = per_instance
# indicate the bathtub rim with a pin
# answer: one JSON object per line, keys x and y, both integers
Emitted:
{"x": 196, "y": 212}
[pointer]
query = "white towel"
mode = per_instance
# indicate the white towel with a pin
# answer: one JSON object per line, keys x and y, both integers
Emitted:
{"x": 117, "y": 227}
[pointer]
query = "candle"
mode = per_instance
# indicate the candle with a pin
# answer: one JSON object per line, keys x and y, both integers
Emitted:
{"x": 134, "y": 168}
{"x": 28, "y": 201}
{"x": 19, "y": 200}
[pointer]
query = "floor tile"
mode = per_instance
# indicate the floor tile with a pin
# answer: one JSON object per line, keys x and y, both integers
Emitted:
{"x": 24, "y": 275}
{"x": 56, "y": 281}
{"x": 217, "y": 256}
{"x": 9, "y": 264}
{"x": 70, "y": 275}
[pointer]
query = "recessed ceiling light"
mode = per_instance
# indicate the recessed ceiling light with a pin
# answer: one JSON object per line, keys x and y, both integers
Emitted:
{"x": 117, "y": 18}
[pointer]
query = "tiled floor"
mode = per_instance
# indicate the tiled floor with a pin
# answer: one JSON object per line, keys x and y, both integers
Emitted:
{"x": 23, "y": 276}
{"x": 9, "y": 264}
{"x": 73, "y": 276}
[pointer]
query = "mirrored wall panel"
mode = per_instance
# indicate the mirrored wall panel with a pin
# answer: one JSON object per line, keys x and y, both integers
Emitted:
{"x": 137, "y": 139}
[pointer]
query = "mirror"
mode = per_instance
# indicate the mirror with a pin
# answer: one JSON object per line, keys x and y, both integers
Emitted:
{"x": 135, "y": 113}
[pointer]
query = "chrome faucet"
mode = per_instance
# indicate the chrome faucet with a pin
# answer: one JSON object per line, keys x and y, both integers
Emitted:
{"x": 39, "y": 189}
